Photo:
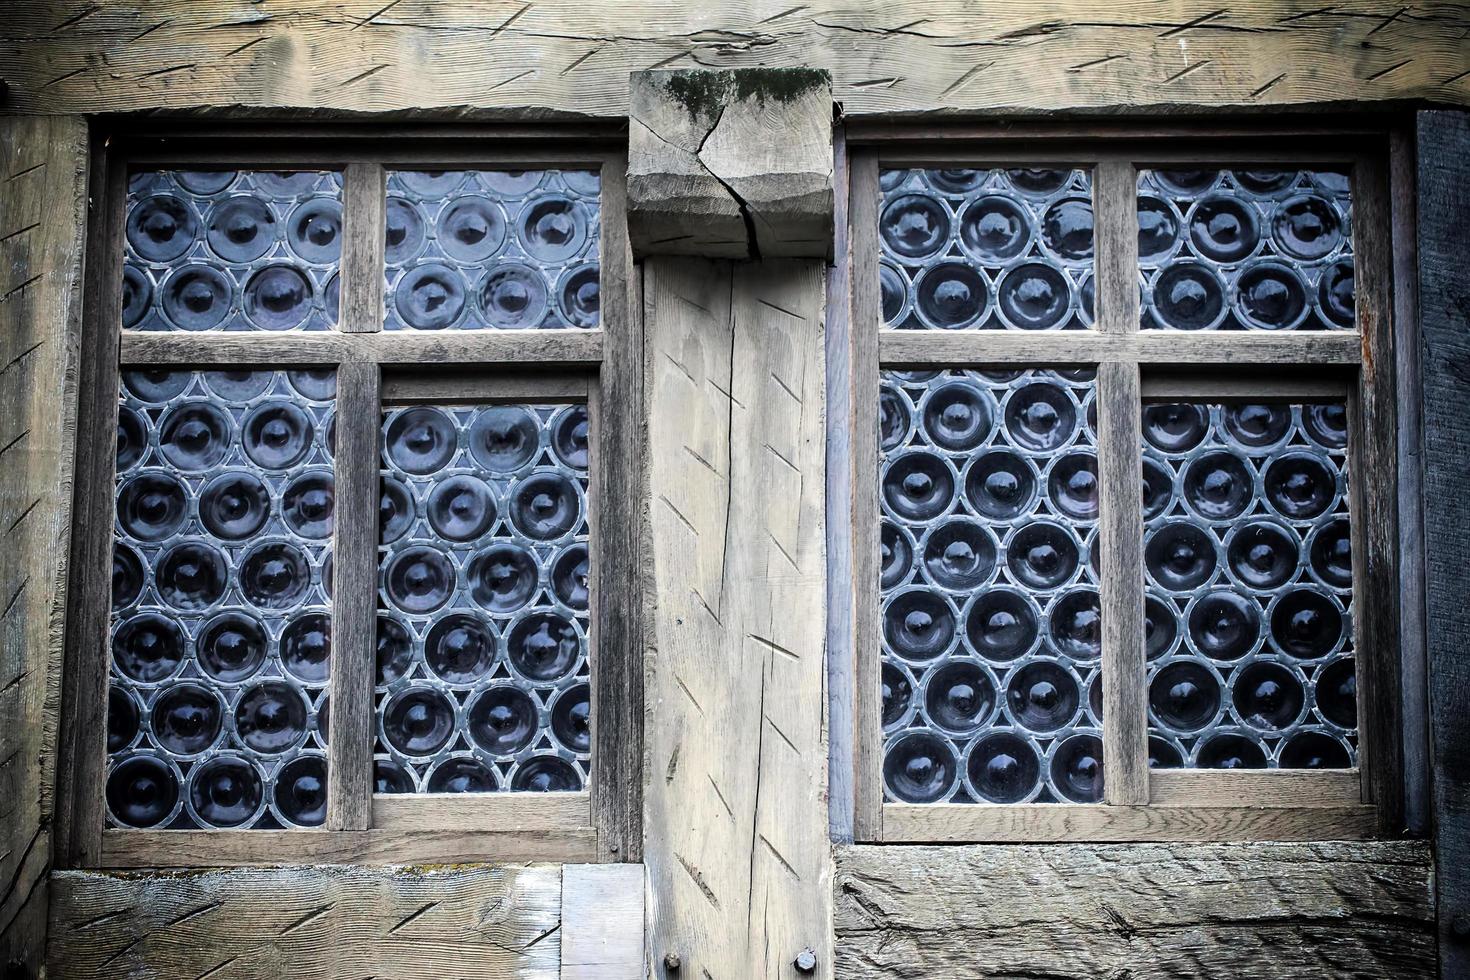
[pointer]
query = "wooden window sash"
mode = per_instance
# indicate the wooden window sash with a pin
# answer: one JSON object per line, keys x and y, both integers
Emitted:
{"x": 1136, "y": 366}
{"x": 375, "y": 367}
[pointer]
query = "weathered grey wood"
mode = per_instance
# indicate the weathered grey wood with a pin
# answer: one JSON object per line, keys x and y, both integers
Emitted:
{"x": 354, "y": 597}
{"x": 271, "y": 848}
{"x": 311, "y": 923}
{"x": 1304, "y": 350}
{"x": 616, "y": 405}
{"x": 1444, "y": 319}
{"x": 1148, "y": 912}
{"x": 43, "y": 200}
{"x": 951, "y": 56}
{"x": 730, "y": 164}
{"x": 602, "y": 922}
{"x": 544, "y": 812}
{"x": 867, "y": 651}
{"x": 363, "y": 241}
{"x": 462, "y": 348}
{"x": 736, "y": 816}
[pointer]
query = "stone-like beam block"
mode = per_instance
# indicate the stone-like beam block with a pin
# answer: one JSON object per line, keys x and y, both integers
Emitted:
{"x": 731, "y": 163}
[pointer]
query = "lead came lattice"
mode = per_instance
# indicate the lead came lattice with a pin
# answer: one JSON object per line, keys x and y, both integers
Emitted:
{"x": 482, "y": 630}
{"x": 221, "y": 598}
{"x": 1247, "y": 551}
{"x": 991, "y": 623}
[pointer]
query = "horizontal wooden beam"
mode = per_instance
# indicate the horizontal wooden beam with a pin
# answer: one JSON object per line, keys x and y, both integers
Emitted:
{"x": 217, "y": 848}
{"x": 1155, "y": 347}
{"x": 1245, "y": 911}
{"x": 461, "y": 348}
{"x": 483, "y": 811}
{"x": 459, "y": 58}
{"x": 1047, "y": 822}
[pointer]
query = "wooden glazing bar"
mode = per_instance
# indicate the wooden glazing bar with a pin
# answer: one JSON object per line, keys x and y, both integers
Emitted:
{"x": 481, "y": 812}
{"x": 1305, "y": 350}
{"x": 1221, "y": 386}
{"x": 482, "y": 387}
{"x": 364, "y": 198}
{"x": 462, "y": 348}
{"x": 867, "y": 650}
{"x": 1267, "y": 787}
{"x": 354, "y": 598}
{"x": 1039, "y": 823}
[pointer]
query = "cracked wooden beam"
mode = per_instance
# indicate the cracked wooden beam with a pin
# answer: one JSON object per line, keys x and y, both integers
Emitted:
{"x": 730, "y": 164}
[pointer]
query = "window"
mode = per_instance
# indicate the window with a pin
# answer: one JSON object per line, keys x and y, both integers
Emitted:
{"x": 1123, "y": 556}
{"x": 367, "y": 552}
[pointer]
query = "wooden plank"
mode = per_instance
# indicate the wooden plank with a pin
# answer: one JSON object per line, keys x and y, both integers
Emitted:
{"x": 310, "y": 923}
{"x": 1373, "y": 458}
{"x": 1162, "y": 347}
{"x": 867, "y": 651}
{"x": 736, "y": 834}
{"x": 1043, "y": 822}
{"x": 437, "y": 387}
{"x": 1162, "y": 385}
{"x": 481, "y": 811}
{"x": 602, "y": 922}
{"x": 364, "y": 196}
{"x": 42, "y": 225}
{"x": 619, "y": 514}
{"x": 218, "y": 848}
{"x": 1266, "y": 787}
{"x": 1413, "y": 673}
{"x": 1247, "y": 911}
{"x": 77, "y": 57}
{"x": 356, "y": 461}
{"x": 1120, "y": 584}
{"x": 1444, "y": 322}
{"x": 405, "y": 347}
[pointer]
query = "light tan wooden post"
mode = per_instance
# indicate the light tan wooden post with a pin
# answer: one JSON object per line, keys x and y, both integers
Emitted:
{"x": 735, "y": 165}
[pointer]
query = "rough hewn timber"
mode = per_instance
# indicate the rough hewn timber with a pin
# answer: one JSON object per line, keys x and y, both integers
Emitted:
{"x": 43, "y": 201}
{"x": 1140, "y": 911}
{"x": 1444, "y": 317}
{"x": 511, "y": 57}
{"x": 731, "y": 164}
{"x": 735, "y": 807}
{"x": 309, "y": 923}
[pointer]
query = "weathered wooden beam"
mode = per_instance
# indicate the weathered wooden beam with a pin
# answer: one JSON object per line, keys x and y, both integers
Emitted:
{"x": 731, "y": 164}
{"x": 1444, "y": 318}
{"x": 602, "y": 922}
{"x": 463, "y": 57}
{"x": 1077, "y": 912}
{"x": 736, "y": 815}
{"x": 43, "y": 214}
{"x": 309, "y": 923}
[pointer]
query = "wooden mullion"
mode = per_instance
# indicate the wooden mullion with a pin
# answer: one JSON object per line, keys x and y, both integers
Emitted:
{"x": 364, "y": 199}
{"x": 83, "y": 741}
{"x": 867, "y": 651}
{"x": 1115, "y": 220}
{"x": 615, "y": 409}
{"x": 354, "y": 598}
{"x": 1373, "y": 468}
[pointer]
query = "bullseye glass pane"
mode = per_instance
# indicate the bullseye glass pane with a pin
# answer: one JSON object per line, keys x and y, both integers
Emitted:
{"x": 221, "y": 600}
{"x": 986, "y": 249}
{"x": 988, "y": 581}
{"x": 1245, "y": 250}
{"x": 499, "y": 249}
{"x": 232, "y": 250}
{"x": 1248, "y": 570}
{"x": 483, "y": 671}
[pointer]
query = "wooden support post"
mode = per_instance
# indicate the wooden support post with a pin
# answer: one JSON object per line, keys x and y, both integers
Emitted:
{"x": 736, "y": 814}
{"x": 43, "y": 215}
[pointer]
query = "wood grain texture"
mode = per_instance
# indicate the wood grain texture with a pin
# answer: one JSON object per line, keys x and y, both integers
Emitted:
{"x": 363, "y": 243}
{"x": 356, "y": 461}
{"x": 482, "y": 811}
{"x": 602, "y": 922}
{"x": 1050, "y": 822}
{"x": 1444, "y": 319}
{"x": 735, "y": 808}
{"x": 43, "y": 195}
{"x": 955, "y": 348}
{"x": 1145, "y": 912}
{"x": 462, "y": 348}
{"x": 513, "y": 59}
{"x": 309, "y": 923}
{"x": 272, "y": 848}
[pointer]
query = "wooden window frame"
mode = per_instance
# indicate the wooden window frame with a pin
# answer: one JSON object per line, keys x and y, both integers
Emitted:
{"x": 1135, "y": 366}
{"x": 375, "y": 368}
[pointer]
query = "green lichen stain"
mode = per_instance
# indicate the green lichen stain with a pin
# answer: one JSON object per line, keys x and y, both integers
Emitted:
{"x": 704, "y": 93}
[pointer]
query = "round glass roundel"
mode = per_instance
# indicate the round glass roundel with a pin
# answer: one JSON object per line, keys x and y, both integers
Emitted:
{"x": 545, "y": 506}
{"x": 543, "y": 646}
{"x": 514, "y": 297}
{"x": 301, "y": 791}
{"x": 546, "y": 774}
{"x": 503, "y": 720}
{"x": 504, "y": 438}
{"x": 430, "y": 297}
{"x": 421, "y": 440}
{"x": 226, "y": 791}
{"x": 472, "y": 229}
{"x": 419, "y": 580}
{"x": 418, "y": 721}
{"x": 142, "y": 791}
{"x": 1003, "y": 767}
{"x": 920, "y": 768}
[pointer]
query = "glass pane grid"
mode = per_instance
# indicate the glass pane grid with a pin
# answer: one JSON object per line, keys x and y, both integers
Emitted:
{"x": 483, "y": 668}
{"x": 1247, "y": 549}
{"x": 991, "y": 623}
{"x": 509, "y": 249}
{"x": 1245, "y": 250}
{"x": 221, "y": 599}
{"x": 986, "y": 249}
{"x": 232, "y": 250}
